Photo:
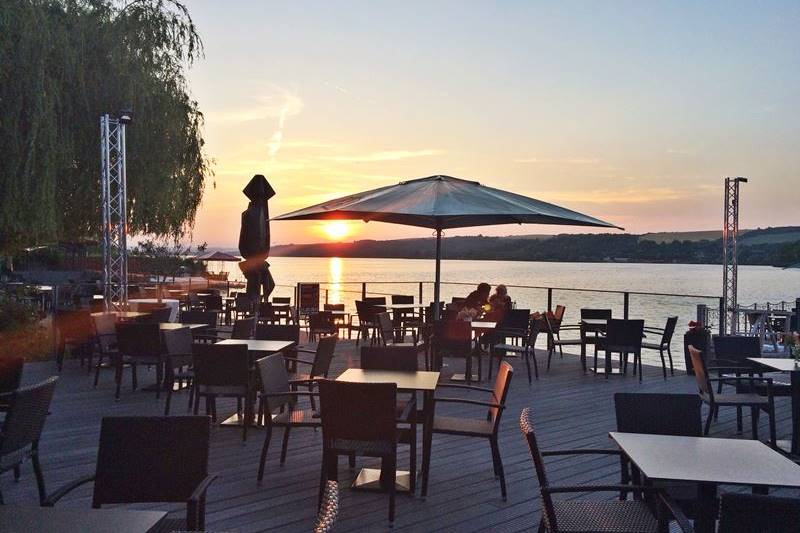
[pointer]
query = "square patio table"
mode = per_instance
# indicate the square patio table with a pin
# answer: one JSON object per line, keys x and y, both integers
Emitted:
{"x": 708, "y": 462}
{"x": 423, "y": 381}
{"x": 14, "y": 519}
{"x": 122, "y": 315}
{"x": 787, "y": 365}
{"x": 170, "y": 326}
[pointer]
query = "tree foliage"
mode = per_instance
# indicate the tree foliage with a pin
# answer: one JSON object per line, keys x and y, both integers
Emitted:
{"x": 66, "y": 62}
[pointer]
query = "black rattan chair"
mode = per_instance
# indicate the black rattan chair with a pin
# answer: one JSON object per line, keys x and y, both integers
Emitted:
{"x": 755, "y": 402}
{"x": 320, "y": 324}
{"x": 152, "y": 460}
{"x": 358, "y": 419}
{"x": 278, "y": 405}
{"x": 553, "y": 328}
{"x": 179, "y": 359}
{"x": 319, "y": 367}
{"x": 138, "y": 343}
{"x": 594, "y": 515}
{"x": 22, "y": 428}
{"x": 453, "y": 338}
{"x": 748, "y": 513}
{"x": 367, "y": 321}
{"x": 243, "y": 328}
{"x": 527, "y": 350}
{"x": 223, "y": 370}
{"x": 623, "y": 337}
{"x": 663, "y": 344}
{"x": 282, "y": 308}
{"x": 471, "y": 427}
{"x": 74, "y": 331}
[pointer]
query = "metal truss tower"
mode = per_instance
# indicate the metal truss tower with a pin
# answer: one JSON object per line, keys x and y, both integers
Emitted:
{"x": 114, "y": 202}
{"x": 730, "y": 232}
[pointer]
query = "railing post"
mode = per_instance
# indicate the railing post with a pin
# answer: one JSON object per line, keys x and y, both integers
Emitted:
{"x": 363, "y": 289}
{"x": 420, "y": 293}
{"x": 723, "y": 317}
{"x": 550, "y": 299}
{"x": 702, "y": 314}
{"x": 626, "y": 304}
{"x": 326, "y": 296}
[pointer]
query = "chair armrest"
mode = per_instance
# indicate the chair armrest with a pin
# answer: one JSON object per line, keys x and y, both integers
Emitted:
{"x": 654, "y": 330}
{"x": 302, "y": 381}
{"x": 740, "y": 369}
{"x": 586, "y": 451}
{"x": 59, "y": 493}
{"x": 194, "y": 507}
{"x": 289, "y": 393}
{"x": 296, "y": 360}
{"x": 676, "y": 512}
{"x": 468, "y": 387}
{"x": 471, "y": 402}
{"x": 304, "y": 350}
{"x": 743, "y": 378}
{"x": 411, "y": 407}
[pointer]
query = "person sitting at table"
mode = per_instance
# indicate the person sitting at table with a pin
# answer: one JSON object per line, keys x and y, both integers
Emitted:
{"x": 500, "y": 302}
{"x": 472, "y": 307}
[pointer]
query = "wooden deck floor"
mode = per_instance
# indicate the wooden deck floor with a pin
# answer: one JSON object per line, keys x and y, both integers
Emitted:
{"x": 570, "y": 409}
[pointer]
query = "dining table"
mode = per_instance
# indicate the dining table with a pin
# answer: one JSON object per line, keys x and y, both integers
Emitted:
{"x": 122, "y": 316}
{"x": 709, "y": 462}
{"x": 413, "y": 381}
{"x": 16, "y": 519}
{"x": 791, "y": 367}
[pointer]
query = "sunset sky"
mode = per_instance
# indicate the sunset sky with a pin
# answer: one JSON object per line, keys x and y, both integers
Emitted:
{"x": 632, "y": 112}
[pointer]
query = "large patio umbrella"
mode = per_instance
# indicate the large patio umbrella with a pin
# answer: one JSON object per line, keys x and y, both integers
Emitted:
{"x": 217, "y": 256}
{"x": 443, "y": 202}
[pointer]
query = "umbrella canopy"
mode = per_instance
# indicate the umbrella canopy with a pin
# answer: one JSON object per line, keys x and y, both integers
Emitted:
{"x": 443, "y": 202}
{"x": 217, "y": 256}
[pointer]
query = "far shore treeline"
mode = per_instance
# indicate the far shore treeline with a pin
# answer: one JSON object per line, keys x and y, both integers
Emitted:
{"x": 772, "y": 246}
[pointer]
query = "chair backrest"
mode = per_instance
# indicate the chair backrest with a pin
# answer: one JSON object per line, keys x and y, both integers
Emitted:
{"x": 366, "y": 312}
{"x": 221, "y": 365}
{"x": 375, "y": 300}
{"x": 402, "y": 358}
{"x": 402, "y": 299}
{"x": 10, "y": 372}
{"x": 27, "y": 412}
{"x": 502, "y": 383}
{"x": 281, "y": 300}
{"x": 199, "y": 317}
{"x": 515, "y": 319}
{"x": 558, "y": 314}
{"x": 274, "y": 380}
{"x": 333, "y": 307}
{"x": 598, "y": 314}
{"x": 452, "y": 335}
{"x": 669, "y": 330}
{"x": 745, "y": 513}
{"x": 701, "y": 373}
{"x": 212, "y": 302}
{"x": 321, "y": 320}
{"x": 736, "y": 348}
{"x": 658, "y": 414}
{"x": 75, "y": 324}
{"x": 548, "y": 514}
{"x": 386, "y": 327}
{"x": 156, "y": 315}
{"x": 278, "y": 332}
{"x": 151, "y": 459}
{"x": 243, "y": 328}
{"x": 243, "y": 303}
{"x": 105, "y": 324}
{"x": 622, "y": 334}
{"x": 357, "y": 411}
{"x": 534, "y": 329}
{"x": 136, "y": 339}
{"x": 178, "y": 343}
{"x": 324, "y": 355}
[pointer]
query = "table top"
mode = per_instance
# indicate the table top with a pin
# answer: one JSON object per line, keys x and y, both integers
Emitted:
{"x": 63, "y": 520}
{"x": 703, "y": 459}
{"x": 483, "y": 324}
{"x": 259, "y": 345}
{"x": 777, "y": 363}
{"x": 403, "y": 306}
{"x": 595, "y": 321}
{"x": 169, "y": 326}
{"x": 420, "y": 380}
{"x": 122, "y": 314}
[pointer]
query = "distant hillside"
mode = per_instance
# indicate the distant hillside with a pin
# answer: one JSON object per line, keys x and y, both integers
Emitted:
{"x": 772, "y": 246}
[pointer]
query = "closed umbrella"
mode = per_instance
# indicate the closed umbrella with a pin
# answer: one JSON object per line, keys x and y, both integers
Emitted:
{"x": 443, "y": 202}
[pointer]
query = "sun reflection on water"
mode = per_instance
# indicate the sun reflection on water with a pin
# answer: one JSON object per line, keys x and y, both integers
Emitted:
{"x": 335, "y": 280}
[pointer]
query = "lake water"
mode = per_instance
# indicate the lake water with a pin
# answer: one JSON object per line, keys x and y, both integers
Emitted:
{"x": 342, "y": 277}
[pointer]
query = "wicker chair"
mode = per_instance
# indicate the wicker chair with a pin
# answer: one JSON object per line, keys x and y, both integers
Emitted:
{"x": 595, "y": 516}
{"x": 179, "y": 359}
{"x": 659, "y": 414}
{"x": 340, "y": 320}
{"x": 554, "y": 328}
{"x": 328, "y": 509}
{"x": 319, "y": 367}
{"x": 471, "y": 427}
{"x": 284, "y": 311}
{"x": 153, "y": 460}
{"x": 513, "y": 325}
{"x": 453, "y": 338}
{"x": 22, "y": 428}
{"x": 10, "y": 377}
{"x": 281, "y": 332}
{"x": 73, "y": 331}
{"x": 663, "y": 344}
{"x": 320, "y": 324}
{"x": 243, "y": 328}
{"x": 527, "y": 350}
{"x": 367, "y": 321}
{"x": 208, "y": 334}
{"x": 344, "y": 408}
{"x": 745, "y": 513}
{"x": 223, "y": 370}
{"x": 278, "y": 405}
{"x": 623, "y": 337}
{"x": 138, "y": 343}
{"x": 755, "y": 402}
{"x": 155, "y": 314}
{"x": 389, "y": 333}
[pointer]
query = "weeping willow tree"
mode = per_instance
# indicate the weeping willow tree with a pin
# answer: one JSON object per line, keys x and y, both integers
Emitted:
{"x": 63, "y": 63}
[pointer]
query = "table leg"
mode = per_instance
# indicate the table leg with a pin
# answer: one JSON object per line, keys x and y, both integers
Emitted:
{"x": 427, "y": 438}
{"x": 707, "y": 508}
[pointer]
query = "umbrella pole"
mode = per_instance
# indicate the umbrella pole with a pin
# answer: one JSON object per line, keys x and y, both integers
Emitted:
{"x": 437, "y": 280}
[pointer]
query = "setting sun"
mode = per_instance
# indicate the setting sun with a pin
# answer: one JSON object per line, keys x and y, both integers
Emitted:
{"x": 336, "y": 230}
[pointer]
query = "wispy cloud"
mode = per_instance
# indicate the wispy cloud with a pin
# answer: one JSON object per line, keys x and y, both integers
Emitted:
{"x": 559, "y": 160}
{"x": 267, "y": 102}
{"x": 679, "y": 151}
{"x": 385, "y": 155}
{"x": 630, "y": 195}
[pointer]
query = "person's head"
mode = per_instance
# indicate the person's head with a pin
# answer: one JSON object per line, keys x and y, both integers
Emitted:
{"x": 501, "y": 290}
{"x": 484, "y": 289}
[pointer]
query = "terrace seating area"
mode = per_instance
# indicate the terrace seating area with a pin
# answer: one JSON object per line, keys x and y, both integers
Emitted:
{"x": 569, "y": 408}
